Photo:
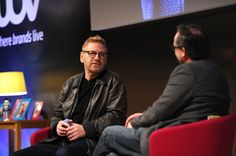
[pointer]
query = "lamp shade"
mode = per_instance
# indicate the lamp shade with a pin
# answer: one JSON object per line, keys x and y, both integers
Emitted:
{"x": 12, "y": 84}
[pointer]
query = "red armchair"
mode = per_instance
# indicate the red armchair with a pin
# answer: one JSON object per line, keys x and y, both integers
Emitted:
{"x": 212, "y": 137}
{"x": 39, "y": 135}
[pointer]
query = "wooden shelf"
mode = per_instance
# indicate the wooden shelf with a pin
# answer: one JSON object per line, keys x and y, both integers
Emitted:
{"x": 15, "y": 128}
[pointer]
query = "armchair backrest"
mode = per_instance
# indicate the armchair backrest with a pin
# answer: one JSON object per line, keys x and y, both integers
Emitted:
{"x": 214, "y": 137}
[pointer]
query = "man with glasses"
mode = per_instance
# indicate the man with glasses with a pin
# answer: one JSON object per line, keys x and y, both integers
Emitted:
{"x": 195, "y": 90}
{"x": 88, "y": 102}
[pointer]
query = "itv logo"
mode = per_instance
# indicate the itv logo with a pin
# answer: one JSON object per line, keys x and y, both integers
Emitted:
{"x": 28, "y": 8}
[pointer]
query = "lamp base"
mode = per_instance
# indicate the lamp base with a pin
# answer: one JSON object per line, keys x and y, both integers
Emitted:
{"x": 6, "y": 120}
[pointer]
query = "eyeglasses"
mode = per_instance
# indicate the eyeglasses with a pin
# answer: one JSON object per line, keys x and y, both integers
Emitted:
{"x": 93, "y": 54}
{"x": 175, "y": 47}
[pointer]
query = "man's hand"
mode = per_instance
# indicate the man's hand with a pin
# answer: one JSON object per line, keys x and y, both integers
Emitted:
{"x": 130, "y": 118}
{"x": 75, "y": 131}
{"x": 62, "y": 128}
{"x": 129, "y": 125}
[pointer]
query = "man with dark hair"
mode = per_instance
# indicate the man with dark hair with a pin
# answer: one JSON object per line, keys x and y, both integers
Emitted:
{"x": 195, "y": 90}
{"x": 88, "y": 102}
{"x": 194, "y": 40}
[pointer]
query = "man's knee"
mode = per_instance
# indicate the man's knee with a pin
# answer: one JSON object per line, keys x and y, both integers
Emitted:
{"x": 111, "y": 133}
{"x": 62, "y": 152}
{"x": 23, "y": 152}
{"x": 111, "y": 130}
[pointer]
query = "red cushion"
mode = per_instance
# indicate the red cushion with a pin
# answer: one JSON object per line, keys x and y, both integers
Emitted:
{"x": 39, "y": 135}
{"x": 212, "y": 137}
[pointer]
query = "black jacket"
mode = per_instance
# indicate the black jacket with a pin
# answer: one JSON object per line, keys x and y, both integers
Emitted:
{"x": 107, "y": 105}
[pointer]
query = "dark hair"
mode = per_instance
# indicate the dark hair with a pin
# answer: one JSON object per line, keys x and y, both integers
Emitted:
{"x": 194, "y": 39}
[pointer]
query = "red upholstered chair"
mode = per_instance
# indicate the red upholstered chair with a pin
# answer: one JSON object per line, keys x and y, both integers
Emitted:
{"x": 212, "y": 137}
{"x": 39, "y": 135}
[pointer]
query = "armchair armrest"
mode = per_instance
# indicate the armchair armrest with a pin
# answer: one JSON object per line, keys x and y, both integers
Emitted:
{"x": 39, "y": 135}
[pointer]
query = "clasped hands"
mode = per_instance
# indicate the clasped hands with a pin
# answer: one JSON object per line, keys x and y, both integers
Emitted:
{"x": 70, "y": 129}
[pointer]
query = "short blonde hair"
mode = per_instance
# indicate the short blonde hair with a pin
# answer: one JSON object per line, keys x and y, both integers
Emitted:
{"x": 95, "y": 39}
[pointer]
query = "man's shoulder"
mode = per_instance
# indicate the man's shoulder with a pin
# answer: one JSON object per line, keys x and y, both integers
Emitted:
{"x": 76, "y": 76}
{"x": 110, "y": 73}
{"x": 201, "y": 64}
{"x": 111, "y": 76}
{"x": 74, "y": 79}
{"x": 185, "y": 67}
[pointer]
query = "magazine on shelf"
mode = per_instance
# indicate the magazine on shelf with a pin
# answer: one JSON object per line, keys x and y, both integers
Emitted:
{"x": 15, "y": 109}
{"x": 37, "y": 110}
{"x": 21, "y": 110}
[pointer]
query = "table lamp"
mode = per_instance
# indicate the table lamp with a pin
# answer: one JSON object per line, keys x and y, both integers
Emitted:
{"x": 11, "y": 84}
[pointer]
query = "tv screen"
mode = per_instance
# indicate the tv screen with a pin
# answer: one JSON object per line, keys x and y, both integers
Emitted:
{"x": 106, "y": 14}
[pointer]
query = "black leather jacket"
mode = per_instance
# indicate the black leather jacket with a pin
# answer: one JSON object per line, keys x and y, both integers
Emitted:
{"x": 107, "y": 105}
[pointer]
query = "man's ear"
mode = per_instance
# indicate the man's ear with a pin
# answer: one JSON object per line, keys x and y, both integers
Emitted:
{"x": 81, "y": 57}
{"x": 184, "y": 54}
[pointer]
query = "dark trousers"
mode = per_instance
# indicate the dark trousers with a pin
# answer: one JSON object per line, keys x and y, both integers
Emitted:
{"x": 56, "y": 148}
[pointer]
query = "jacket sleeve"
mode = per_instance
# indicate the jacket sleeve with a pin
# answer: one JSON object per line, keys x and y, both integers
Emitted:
{"x": 175, "y": 95}
{"x": 114, "y": 110}
{"x": 58, "y": 112}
